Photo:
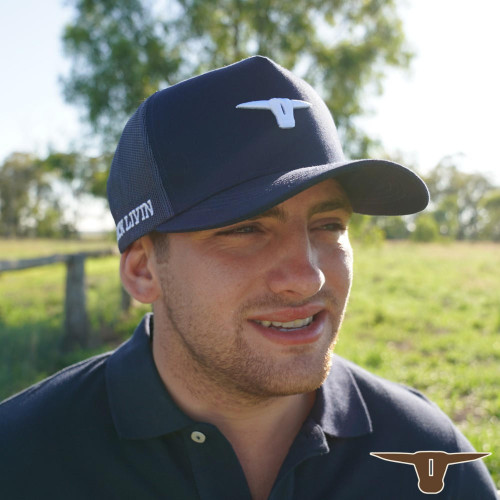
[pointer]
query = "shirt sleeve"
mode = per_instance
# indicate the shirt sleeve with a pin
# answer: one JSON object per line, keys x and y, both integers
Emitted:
{"x": 474, "y": 479}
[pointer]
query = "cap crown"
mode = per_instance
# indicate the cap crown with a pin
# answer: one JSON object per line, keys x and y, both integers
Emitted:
{"x": 191, "y": 141}
{"x": 227, "y": 145}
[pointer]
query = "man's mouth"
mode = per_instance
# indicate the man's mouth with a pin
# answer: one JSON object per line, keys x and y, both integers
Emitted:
{"x": 292, "y": 326}
{"x": 288, "y": 326}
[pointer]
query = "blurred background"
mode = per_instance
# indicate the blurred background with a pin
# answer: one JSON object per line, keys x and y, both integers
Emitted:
{"x": 415, "y": 81}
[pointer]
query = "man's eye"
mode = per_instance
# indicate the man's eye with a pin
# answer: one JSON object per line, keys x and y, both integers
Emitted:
{"x": 241, "y": 230}
{"x": 333, "y": 226}
{"x": 244, "y": 229}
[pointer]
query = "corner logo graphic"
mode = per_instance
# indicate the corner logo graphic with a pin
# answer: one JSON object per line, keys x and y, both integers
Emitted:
{"x": 431, "y": 466}
{"x": 281, "y": 108}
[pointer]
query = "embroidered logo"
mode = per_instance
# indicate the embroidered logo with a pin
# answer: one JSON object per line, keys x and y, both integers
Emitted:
{"x": 430, "y": 466}
{"x": 134, "y": 218}
{"x": 281, "y": 108}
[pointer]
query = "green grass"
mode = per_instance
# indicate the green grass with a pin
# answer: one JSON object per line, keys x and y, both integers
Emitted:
{"x": 423, "y": 315}
{"x": 429, "y": 316}
{"x": 32, "y": 312}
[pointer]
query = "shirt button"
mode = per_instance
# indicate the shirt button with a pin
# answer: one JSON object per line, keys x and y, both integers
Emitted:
{"x": 198, "y": 437}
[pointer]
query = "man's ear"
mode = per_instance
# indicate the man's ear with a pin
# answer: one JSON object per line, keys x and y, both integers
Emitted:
{"x": 138, "y": 271}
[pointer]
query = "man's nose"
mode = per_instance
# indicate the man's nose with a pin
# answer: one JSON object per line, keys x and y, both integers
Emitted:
{"x": 295, "y": 272}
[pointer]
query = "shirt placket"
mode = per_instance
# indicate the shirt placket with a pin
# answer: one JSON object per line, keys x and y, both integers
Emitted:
{"x": 310, "y": 442}
{"x": 216, "y": 469}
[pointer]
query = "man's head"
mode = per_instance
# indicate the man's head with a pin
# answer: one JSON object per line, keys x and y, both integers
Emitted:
{"x": 243, "y": 169}
{"x": 254, "y": 307}
{"x": 227, "y": 145}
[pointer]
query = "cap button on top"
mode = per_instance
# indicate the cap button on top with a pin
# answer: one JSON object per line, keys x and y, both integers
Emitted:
{"x": 198, "y": 437}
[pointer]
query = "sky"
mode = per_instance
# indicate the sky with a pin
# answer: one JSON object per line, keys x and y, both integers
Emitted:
{"x": 447, "y": 104}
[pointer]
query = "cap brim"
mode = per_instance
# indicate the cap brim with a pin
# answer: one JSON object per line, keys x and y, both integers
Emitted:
{"x": 374, "y": 187}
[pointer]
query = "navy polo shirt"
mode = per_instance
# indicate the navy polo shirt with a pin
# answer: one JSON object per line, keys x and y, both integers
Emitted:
{"x": 107, "y": 428}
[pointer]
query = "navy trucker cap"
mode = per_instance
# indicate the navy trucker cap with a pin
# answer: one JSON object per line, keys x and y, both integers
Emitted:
{"x": 229, "y": 144}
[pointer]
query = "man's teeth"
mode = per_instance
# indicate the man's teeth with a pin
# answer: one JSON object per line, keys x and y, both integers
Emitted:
{"x": 298, "y": 323}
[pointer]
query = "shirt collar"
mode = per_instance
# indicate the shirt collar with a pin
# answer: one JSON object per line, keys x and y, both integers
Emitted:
{"x": 142, "y": 408}
{"x": 340, "y": 409}
{"x": 140, "y": 404}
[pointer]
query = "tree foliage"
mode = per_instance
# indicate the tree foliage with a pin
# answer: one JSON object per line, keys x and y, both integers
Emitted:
{"x": 123, "y": 50}
{"x": 120, "y": 54}
{"x": 426, "y": 229}
{"x": 491, "y": 205}
{"x": 29, "y": 206}
{"x": 38, "y": 195}
{"x": 458, "y": 204}
{"x": 80, "y": 173}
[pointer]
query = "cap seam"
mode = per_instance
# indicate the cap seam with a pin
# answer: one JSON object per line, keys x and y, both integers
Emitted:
{"x": 152, "y": 157}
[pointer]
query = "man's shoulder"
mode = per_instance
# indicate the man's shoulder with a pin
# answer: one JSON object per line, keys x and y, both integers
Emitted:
{"x": 397, "y": 411}
{"x": 390, "y": 391}
{"x": 48, "y": 403}
{"x": 404, "y": 420}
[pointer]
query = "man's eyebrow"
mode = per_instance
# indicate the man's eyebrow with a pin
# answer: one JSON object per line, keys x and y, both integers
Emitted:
{"x": 339, "y": 203}
{"x": 278, "y": 213}
{"x": 274, "y": 212}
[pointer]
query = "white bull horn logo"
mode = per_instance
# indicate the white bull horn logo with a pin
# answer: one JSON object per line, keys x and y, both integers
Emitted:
{"x": 282, "y": 109}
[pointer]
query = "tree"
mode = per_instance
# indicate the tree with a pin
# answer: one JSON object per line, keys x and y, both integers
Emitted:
{"x": 123, "y": 50}
{"x": 21, "y": 187}
{"x": 426, "y": 229}
{"x": 80, "y": 173}
{"x": 491, "y": 206}
{"x": 457, "y": 200}
{"x": 29, "y": 205}
{"x": 373, "y": 229}
{"x": 120, "y": 54}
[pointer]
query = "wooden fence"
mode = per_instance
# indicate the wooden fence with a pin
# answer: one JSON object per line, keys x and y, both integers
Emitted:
{"x": 76, "y": 324}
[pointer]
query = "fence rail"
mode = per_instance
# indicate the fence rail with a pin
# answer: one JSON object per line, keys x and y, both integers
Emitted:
{"x": 76, "y": 324}
{"x": 15, "y": 265}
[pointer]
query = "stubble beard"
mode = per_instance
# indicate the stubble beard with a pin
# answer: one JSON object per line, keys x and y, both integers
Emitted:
{"x": 214, "y": 361}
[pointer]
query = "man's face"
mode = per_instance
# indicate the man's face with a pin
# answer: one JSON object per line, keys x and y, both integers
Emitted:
{"x": 255, "y": 307}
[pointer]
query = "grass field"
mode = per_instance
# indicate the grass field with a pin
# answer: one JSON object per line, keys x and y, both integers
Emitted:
{"x": 423, "y": 315}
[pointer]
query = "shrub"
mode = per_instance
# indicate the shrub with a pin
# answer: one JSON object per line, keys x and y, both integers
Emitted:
{"x": 426, "y": 229}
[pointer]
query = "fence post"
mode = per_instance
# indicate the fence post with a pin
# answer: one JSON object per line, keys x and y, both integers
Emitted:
{"x": 76, "y": 327}
{"x": 126, "y": 300}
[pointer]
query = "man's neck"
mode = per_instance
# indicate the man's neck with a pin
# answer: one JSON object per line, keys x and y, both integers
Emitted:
{"x": 260, "y": 430}
{"x": 260, "y": 436}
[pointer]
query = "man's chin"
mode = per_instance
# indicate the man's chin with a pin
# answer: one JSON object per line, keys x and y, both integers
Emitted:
{"x": 301, "y": 378}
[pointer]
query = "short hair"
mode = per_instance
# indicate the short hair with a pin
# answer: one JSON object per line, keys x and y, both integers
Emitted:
{"x": 160, "y": 245}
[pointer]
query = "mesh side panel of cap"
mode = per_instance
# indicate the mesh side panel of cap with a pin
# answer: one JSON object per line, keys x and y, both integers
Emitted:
{"x": 136, "y": 195}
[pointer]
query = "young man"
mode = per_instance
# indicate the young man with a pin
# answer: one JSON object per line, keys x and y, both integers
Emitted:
{"x": 232, "y": 199}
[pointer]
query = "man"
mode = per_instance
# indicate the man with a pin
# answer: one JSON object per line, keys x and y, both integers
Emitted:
{"x": 232, "y": 199}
